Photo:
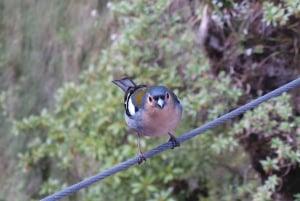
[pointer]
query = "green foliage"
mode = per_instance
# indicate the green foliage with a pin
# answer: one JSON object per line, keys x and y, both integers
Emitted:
{"x": 272, "y": 120}
{"x": 279, "y": 14}
{"x": 85, "y": 132}
{"x": 86, "y": 129}
{"x": 264, "y": 192}
{"x": 275, "y": 14}
{"x": 297, "y": 197}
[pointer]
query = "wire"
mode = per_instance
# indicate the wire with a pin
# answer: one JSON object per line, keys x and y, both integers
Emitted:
{"x": 130, "y": 162}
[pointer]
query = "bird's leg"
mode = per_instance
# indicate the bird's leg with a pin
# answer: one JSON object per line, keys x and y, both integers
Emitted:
{"x": 175, "y": 142}
{"x": 140, "y": 153}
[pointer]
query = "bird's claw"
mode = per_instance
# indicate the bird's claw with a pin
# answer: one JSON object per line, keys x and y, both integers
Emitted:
{"x": 141, "y": 157}
{"x": 175, "y": 142}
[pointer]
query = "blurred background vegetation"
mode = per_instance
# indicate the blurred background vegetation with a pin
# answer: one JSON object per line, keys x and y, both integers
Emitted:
{"x": 62, "y": 118}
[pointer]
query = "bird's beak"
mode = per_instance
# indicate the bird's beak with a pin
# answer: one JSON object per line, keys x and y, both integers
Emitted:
{"x": 161, "y": 103}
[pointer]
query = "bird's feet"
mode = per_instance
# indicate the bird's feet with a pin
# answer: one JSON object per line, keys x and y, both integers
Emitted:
{"x": 141, "y": 157}
{"x": 175, "y": 142}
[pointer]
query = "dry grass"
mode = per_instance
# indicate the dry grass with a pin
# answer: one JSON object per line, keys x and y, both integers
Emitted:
{"x": 42, "y": 45}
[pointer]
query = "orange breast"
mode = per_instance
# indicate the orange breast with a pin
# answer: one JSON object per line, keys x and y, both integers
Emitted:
{"x": 158, "y": 122}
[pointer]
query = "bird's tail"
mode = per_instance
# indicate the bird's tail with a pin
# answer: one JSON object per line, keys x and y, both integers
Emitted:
{"x": 124, "y": 83}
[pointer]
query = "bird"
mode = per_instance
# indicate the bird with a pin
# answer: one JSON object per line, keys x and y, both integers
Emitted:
{"x": 150, "y": 111}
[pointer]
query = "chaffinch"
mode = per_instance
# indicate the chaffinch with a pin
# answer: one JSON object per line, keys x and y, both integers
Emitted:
{"x": 150, "y": 110}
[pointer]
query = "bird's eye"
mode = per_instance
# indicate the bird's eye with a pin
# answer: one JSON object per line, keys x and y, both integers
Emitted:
{"x": 150, "y": 99}
{"x": 168, "y": 95}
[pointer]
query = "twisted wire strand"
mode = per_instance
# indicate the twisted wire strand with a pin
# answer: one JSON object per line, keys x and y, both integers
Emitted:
{"x": 130, "y": 162}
